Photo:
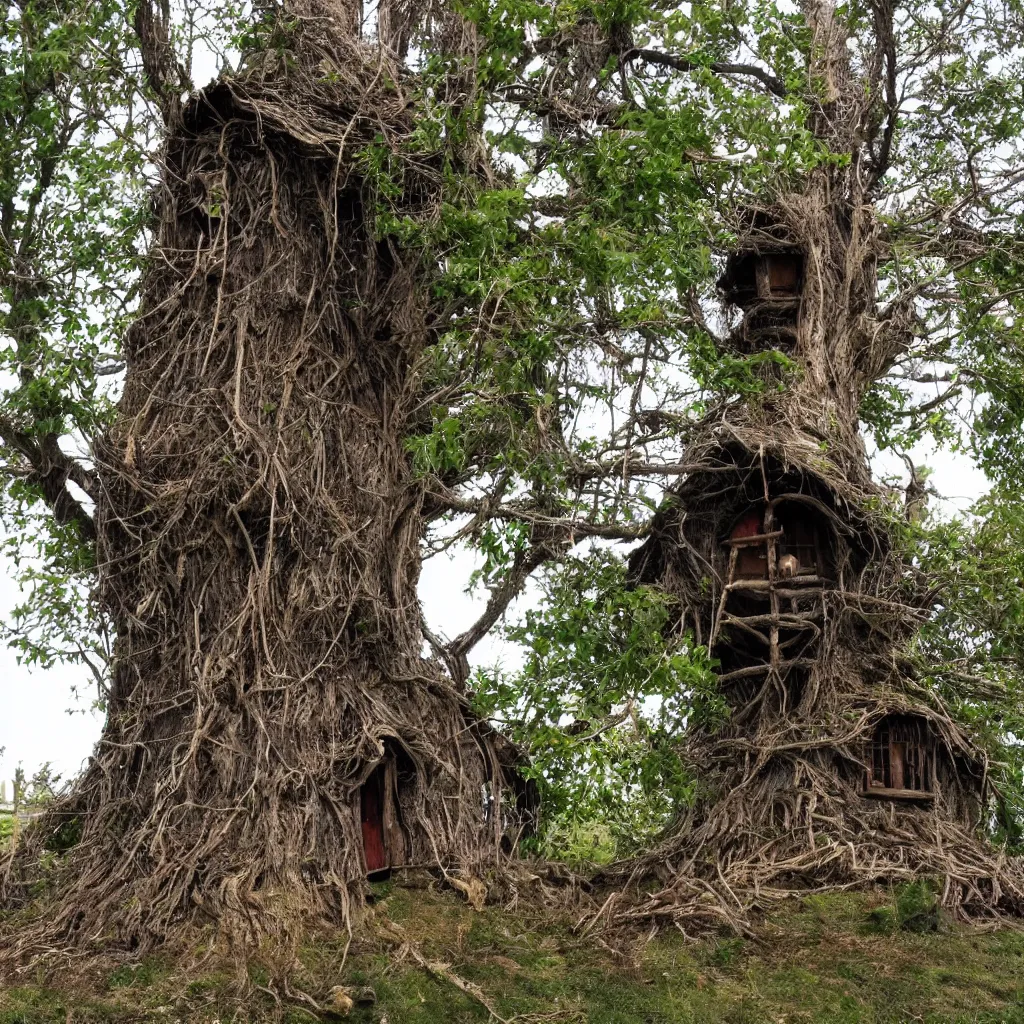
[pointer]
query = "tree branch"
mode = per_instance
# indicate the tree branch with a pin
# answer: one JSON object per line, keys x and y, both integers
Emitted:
{"x": 501, "y": 597}
{"x": 163, "y": 75}
{"x": 766, "y": 78}
{"x": 50, "y": 470}
{"x": 886, "y": 42}
{"x": 575, "y": 529}
{"x": 938, "y": 400}
{"x": 637, "y": 467}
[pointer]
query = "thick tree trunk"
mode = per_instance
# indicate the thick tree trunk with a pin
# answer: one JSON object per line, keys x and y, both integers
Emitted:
{"x": 838, "y": 764}
{"x": 259, "y": 530}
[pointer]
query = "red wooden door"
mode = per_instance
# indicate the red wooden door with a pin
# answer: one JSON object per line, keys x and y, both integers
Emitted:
{"x": 752, "y": 560}
{"x": 372, "y": 799}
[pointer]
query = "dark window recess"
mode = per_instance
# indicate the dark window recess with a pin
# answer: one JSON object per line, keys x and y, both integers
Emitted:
{"x": 739, "y": 282}
{"x": 901, "y": 765}
{"x": 800, "y": 540}
{"x": 752, "y": 278}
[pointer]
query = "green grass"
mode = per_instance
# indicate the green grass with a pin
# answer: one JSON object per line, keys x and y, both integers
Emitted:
{"x": 822, "y": 960}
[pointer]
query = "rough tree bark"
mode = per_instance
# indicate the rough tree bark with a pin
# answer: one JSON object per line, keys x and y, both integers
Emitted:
{"x": 798, "y": 785}
{"x": 258, "y": 532}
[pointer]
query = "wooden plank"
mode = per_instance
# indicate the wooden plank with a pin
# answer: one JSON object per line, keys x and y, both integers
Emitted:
{"x": 803, "y": 584}
{"x": 752, "y": 539}
{"x": 792, "y": 620}
{"x": 783, "y": 274}
{"x": 720, "y": 611}
{"x": 763, "y": 669}
{"x": 889, "y": 793}
{"x": 897, "y": 763}
{"x": 394, "y": 837}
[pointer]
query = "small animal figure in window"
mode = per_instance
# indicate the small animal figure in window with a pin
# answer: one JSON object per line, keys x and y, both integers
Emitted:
{"x": 789, "y": 566}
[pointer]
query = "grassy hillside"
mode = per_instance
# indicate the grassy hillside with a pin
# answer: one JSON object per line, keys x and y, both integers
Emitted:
{"x": 427, "y": 957}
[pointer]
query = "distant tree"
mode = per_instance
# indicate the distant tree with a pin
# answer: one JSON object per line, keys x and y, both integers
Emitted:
{"x": 447, "y": 273}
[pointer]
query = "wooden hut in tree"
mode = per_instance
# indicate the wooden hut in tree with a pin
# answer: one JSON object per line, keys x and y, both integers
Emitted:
{"x": 838, "y": 763}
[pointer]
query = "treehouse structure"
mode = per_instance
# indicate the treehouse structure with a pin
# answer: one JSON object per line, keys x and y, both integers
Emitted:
{"x": 766, "y": 286}
{"x": 838, "y": 762}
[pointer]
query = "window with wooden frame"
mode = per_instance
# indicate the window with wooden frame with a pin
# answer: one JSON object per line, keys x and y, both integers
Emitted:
{"x": 752, "y": 278}
{"x": 783, "y": 273}
{"x": 767, "y": 287}
{"x": 901, "y": 762}
{"x": 778, "y": 557}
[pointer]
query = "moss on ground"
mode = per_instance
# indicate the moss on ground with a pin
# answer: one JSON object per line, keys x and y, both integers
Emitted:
{"x": 821, "y": 960}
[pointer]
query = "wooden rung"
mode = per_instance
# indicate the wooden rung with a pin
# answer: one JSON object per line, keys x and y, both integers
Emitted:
{"x": 757, "y": 538}
{"x": 884, "y": 793}
{"x": 755, "y": 670}
{"x": 794, "y": 620}
{"x": 743, "y": 673}
{"x": 803, "y": 584}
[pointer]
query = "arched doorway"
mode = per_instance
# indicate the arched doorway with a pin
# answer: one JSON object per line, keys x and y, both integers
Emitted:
{"x": 777, "y": 561}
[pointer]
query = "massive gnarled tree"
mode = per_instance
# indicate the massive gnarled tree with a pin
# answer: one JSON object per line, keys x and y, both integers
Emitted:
{"x": 450, "y": 274}
{"x": 840, "y": 763}
{"x": 273, "y": 732}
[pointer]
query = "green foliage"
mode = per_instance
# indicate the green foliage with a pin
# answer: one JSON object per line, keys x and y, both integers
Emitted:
{"x": 72, "y": 217}
{"x": 914, "y": 908}
{"x": 32, "y": 794}
{"x": 972, "y": 648}
{"x": 34, "y": 791}
{"x": 600, "y": 706}
{"x": 954, "y": 149}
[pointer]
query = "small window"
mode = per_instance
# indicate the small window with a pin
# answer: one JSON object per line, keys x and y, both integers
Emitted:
{"x": 783, "y": 272}
{"x": 739, "y": 282}
{"x": 799, "y": 540}
{"x": 901, "y": 765}
{"x": 751, "y": 278}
